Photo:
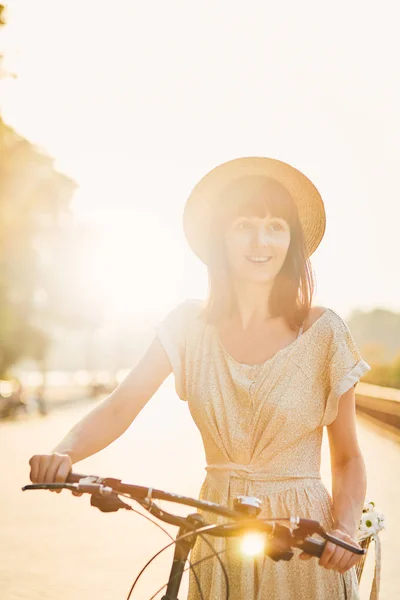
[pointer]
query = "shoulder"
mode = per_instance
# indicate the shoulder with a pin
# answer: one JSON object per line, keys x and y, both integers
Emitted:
{"x": 334, "y": 320}
{"x": 331, "y": 329}
{"x": 183, "y": 314}
{"x": 189, "y": 309}
{"x": 315, "y": 313}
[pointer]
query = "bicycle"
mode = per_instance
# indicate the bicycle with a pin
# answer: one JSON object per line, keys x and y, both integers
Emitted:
{"x": 106, "y": 494}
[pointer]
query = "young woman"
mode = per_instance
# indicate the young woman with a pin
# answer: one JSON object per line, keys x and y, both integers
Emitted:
{"x": 263, "y": 371}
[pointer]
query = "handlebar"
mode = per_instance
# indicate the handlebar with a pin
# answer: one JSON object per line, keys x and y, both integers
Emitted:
{"x": 141, "y": 493}
{"x": 105, "y": 496}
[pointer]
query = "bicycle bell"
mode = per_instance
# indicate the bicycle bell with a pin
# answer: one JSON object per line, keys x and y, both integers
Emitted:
{"x": 248, "y": 505}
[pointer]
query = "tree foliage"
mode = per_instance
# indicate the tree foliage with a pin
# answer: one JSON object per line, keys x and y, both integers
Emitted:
{"x": 33, "y": 198}
{"x": 377, "y": 334}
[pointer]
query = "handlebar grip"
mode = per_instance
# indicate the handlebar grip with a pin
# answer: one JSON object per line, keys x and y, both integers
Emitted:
{"x": 312, "y": 546}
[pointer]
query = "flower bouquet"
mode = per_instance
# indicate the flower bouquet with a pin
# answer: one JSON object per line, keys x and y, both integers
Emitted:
{"x": 371, "y": 523}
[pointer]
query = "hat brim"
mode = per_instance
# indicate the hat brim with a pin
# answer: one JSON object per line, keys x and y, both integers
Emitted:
{"x": 200, "y": 205}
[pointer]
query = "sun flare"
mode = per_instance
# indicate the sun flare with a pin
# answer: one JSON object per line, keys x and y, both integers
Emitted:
{"x": 128, "y": 262}
{"x": 252, "y": 544}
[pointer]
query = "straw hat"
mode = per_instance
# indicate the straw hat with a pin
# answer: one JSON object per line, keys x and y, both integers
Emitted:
{"x": 201, "y": 203}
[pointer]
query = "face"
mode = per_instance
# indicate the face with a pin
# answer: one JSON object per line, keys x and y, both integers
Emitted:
{"x": 256, "y": 247}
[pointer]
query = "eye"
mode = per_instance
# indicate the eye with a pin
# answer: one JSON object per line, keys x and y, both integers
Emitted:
{"x": 276, "y": 226}
{"x": 243, "y": 225}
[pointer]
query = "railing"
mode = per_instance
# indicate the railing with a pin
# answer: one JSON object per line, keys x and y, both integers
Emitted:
{"x": 380, "y": 402}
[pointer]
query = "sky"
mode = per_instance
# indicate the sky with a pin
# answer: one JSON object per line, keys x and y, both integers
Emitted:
{"x": 138, "y": 100}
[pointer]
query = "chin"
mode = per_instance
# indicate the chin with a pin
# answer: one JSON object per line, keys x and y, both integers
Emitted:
{"x": 258, "y": 278}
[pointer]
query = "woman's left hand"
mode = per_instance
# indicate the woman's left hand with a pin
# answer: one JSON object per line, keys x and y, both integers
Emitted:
{"x": 337, "y": 558}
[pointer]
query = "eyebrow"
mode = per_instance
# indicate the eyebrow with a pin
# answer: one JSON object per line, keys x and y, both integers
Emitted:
{"x": 270, "y": 218}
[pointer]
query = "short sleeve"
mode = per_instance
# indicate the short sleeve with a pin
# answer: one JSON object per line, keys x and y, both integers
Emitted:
{"x": 172, "y": 333}
{"x": 345, "y": 368}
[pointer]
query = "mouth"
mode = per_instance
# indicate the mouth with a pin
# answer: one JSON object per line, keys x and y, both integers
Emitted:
{"x": 259, "y": 260}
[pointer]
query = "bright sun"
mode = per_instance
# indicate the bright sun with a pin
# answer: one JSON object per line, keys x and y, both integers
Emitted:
{"x": 131, "y": 264}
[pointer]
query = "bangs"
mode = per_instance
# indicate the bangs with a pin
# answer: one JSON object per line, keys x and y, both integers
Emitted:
{"x": 256, "y": 196}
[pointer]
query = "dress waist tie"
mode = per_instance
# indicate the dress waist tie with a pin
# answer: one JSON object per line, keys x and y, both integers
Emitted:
{"x": 254, "y": 472}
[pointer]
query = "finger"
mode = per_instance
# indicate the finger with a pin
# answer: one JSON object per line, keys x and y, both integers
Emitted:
{"x": 305, "y": 556}
{"x": 355, "y": 558}
{"x": 335, "y": 558}
{"x": 344, "y": 562}
{"x": 62, "y": 472}
{"x": 326, "y": 554}
{"x": 333, "y": 554}
{"x": 348, "y": 559}
{"x": 34, "y": 464}
{"x": 43, "y": 464}
{"x": 52, "y": 468}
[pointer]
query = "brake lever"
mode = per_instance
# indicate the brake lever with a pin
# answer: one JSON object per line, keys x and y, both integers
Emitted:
{"x": 109, "y": 503}
{"x": 343, "y": 544}
{"x": 307, "y": 527}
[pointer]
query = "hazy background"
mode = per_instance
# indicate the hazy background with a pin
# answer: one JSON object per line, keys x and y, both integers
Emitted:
{"x": 134, "y": 102}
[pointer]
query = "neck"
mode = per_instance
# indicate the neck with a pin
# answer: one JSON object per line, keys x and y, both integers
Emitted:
{"x": 252, "y": 302}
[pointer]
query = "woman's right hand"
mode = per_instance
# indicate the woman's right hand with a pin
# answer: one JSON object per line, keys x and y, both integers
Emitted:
{"x": 50, "y": 468}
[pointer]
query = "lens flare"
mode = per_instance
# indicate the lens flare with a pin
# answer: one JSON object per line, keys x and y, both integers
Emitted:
{"x": 252, "y": 544}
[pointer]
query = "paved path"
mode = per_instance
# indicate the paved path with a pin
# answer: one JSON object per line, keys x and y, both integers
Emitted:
{"x": 57, "y": 547}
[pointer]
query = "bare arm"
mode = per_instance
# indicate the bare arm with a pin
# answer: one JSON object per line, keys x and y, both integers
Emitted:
{"x": 349, "y": 479}
{"x": 348, "y": 485}
{"x": 348, "y": 470}
{"x": 108, "y": 420}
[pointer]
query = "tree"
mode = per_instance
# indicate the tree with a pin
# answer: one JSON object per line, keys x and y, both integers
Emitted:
{"x": 377, "y": 333}
{"x": 33, "y": 196}
{"x": 33, "y": 199}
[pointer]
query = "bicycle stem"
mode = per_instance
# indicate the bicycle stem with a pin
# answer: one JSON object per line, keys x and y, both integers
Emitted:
{"x": 181, "y": 553}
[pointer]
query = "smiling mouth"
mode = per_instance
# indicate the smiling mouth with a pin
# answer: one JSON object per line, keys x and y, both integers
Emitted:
{"x": 259, "y": 260}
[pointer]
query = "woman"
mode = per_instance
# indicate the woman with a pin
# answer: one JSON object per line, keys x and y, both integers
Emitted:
{"x": 263, "y": 372}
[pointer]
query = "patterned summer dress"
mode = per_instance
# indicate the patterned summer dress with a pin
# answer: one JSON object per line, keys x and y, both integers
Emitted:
{"x": 262, "y": 430}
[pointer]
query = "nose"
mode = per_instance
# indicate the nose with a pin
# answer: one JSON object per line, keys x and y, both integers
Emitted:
{"x": 262, "y": 237}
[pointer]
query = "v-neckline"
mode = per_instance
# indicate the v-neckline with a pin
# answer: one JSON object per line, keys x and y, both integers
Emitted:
{"x": 279, "y": 352}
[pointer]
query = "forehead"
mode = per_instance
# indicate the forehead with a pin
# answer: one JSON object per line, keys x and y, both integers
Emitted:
{"x": 259, "y": 212}
{"x": 267, "y": 216}
{"x": 256, "y": 197}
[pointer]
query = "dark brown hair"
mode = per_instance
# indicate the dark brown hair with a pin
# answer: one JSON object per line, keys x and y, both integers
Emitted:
{"x": 293, "y": 289}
